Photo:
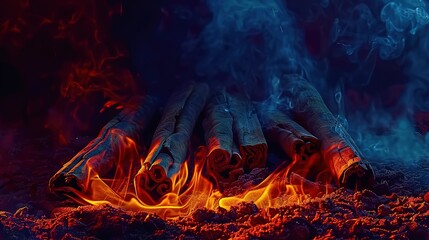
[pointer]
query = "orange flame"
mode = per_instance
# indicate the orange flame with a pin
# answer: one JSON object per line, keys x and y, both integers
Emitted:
{"x": 191, "y": 188}
{"x": 90, "y": 65}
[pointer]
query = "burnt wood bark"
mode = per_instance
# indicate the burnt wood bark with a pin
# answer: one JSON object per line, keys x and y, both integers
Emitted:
{"x": 234, "y": 137}
{"x": 302, "y": 147}
{"x": 101, "y": 154}
{"x": 248, "y": 133}
{"x": 223, "y": 158}
{"x": 291, "y": 137}
{"x": 170, "y": 143}
{"x": 340, "y": 153}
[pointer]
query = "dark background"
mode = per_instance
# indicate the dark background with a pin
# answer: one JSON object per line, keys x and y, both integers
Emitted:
{"x": 61, "y": 61}
{"x": 42, "y": 42}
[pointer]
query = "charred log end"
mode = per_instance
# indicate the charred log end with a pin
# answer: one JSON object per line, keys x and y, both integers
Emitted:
{"x": 311, "y": 145}
{"x": 254, "y": 156}
{"x": 223, "y": 167}
{"x": 218, "y": 158}
{"x": 351, "y": 170}
{"x": 62, "y": 183}
{"x": 152, "y": 185}
{"x": 358, "y": 176}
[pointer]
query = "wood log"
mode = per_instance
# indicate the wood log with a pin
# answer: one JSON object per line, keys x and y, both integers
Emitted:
{"x": 170, "y": 143}
{"x": 234, "y": 137}
{"x": 291, "y": 137}
{"x": 339, "y": 151}
{"x": 101, "y": 154}
{"x": 248, "y": 133}
{"x": 223, "y": 158}
{"x": 302, "y": 147}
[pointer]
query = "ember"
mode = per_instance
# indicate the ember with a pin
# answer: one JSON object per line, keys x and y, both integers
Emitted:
{"x": 239, "y": 119}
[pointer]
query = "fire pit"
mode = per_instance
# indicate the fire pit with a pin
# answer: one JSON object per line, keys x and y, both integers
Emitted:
{"x": 208, "y": 120}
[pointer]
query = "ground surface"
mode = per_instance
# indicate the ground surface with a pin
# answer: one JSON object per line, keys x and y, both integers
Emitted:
{"x": 398, "y": 207}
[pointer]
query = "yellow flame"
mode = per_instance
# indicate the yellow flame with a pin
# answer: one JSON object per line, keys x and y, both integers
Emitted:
{"x": 191, "y": 189}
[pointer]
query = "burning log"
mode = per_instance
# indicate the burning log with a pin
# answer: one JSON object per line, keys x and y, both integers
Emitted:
{"x": 248, "y": 132}
{"x": 302, "y": 147}
{"x": 100, "y": 155}
{"x": 223, "y": 156}
{"x": 339, "y": 151}
{"x": 291, "y": 137}
{"x": 234, "y": 137}
{"x": 170, "y": 142}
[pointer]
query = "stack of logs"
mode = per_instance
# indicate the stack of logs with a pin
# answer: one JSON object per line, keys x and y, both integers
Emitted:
{"x": 235, "y": 130}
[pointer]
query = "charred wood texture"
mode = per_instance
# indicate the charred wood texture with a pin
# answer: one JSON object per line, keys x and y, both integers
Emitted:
{"x": 339, "y": 152}
{"x": 170, "y": 143}
{"x": 302, "y": 147}
{"x": 291, "y": 137}
{"x": 248, "y": 132}
{"x": 223, "y": 158}
{"x": 234, "y": 137}
{"x": 100, "y": 156}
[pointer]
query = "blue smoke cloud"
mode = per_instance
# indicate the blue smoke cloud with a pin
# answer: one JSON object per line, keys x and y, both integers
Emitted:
{"x": 397, "y": 31}
{"x": 254, "y": 43}
{"x": 250, "y": 43}
{"x": 385, "y": 30}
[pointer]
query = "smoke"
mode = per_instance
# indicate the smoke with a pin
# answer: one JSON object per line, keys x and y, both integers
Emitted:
{"x": 253, "y": 44}
{"x": 250, "y": 43}
{"x": 397, "y": 32}
{"x": 384, "y": 29}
